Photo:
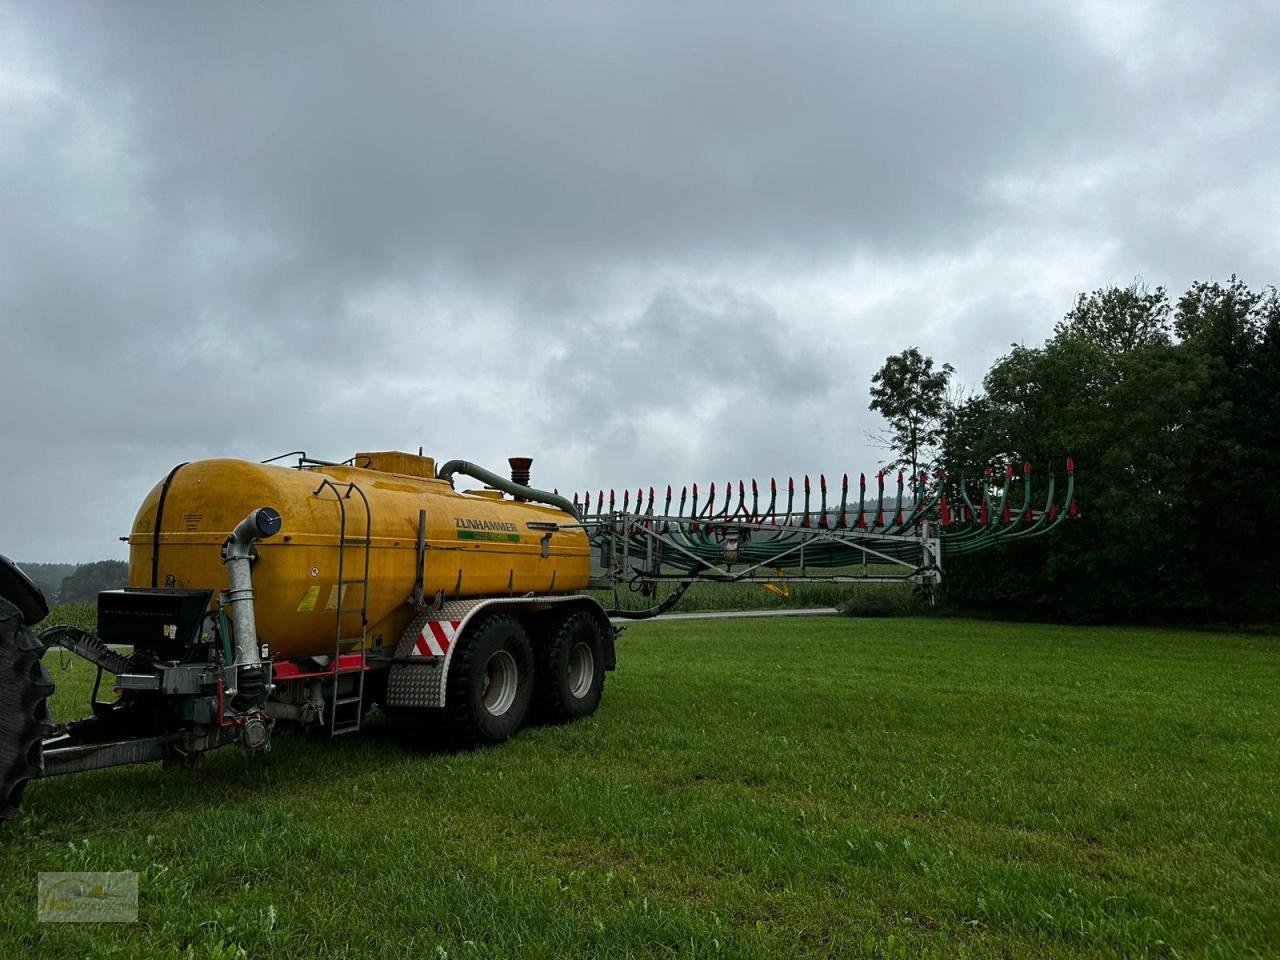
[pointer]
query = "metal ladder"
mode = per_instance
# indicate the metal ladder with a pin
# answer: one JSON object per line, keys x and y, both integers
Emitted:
{"x": 345, "y": 711}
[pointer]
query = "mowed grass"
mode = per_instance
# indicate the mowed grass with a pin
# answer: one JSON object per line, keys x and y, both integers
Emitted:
{"x": 762, "y": 788}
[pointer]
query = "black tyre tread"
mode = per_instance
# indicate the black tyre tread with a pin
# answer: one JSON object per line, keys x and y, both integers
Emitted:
{"x": 25, "y": 715}
{"x": 459, "y": 712}
{"x": 550, "y": 694}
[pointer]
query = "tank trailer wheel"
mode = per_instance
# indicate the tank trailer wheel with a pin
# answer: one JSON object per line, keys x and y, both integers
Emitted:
{"x": 25, "y": 717}
{"x": 490, "y": 681}
{"x": 570, "y": 668}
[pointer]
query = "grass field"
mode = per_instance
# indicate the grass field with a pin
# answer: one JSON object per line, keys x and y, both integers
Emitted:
{"x": 824, "y": 787}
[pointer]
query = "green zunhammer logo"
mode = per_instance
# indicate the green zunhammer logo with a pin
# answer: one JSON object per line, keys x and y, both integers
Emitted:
{"x": 499, "y": 531}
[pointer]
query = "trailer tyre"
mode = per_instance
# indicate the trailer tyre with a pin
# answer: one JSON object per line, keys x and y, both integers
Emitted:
{"x": 490, "y": 681}
{"x": 25, "y": 717}
{"x": 570, "y": 669}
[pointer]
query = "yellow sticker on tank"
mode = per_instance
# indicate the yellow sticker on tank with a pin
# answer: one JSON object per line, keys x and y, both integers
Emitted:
{"x": 334, "y": 598}
{"x": 308, "y": 601}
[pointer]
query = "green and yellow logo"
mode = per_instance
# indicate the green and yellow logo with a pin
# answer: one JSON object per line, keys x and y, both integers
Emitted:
{"x": 494, "y": 531}
{"x": 96, "y": 897}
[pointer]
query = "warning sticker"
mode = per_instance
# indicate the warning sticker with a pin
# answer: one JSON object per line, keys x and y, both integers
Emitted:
{"x": 334, "y": 597}
{"x": 308, "y": 601}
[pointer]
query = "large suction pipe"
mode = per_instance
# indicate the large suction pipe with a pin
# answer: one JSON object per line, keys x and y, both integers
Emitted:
{"x": 238, "y": 555}
{"x": 499, "y": 482}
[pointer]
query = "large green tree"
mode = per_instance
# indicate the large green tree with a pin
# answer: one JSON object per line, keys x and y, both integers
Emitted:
{"x": 911, "y": 394}
{"x": 1232, "y": 440}
{"x": 1120, "y": 320}
{"x": 1171, "y": 414}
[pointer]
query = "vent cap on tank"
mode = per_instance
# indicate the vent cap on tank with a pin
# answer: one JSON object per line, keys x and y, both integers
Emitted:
{"x": 520, "y": 467}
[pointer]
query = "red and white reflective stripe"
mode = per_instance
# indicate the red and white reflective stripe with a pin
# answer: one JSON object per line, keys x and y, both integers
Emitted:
{"x": 436, "y": 637}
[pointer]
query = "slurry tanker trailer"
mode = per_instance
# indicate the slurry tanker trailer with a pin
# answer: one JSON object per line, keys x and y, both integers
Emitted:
{"x": 263, "y": 595}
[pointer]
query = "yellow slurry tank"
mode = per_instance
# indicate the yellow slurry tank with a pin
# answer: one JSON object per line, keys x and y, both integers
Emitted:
{"x": 264, "y": 595}
{"x": 477, "y": 544}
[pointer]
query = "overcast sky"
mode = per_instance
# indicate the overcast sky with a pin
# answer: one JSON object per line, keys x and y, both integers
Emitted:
{"x": 639, "y": 243}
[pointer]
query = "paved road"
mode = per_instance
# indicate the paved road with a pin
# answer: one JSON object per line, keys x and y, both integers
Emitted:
{"x": 738, "y": 614}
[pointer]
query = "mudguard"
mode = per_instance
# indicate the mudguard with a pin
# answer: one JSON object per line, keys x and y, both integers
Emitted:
{"x": 17, "y": 588}
{"x": 420, "y": 669}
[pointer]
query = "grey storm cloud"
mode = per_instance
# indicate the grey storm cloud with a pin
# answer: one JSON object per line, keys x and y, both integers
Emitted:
{"x": 637, "y": 242}
{"x": 693, "y": 367}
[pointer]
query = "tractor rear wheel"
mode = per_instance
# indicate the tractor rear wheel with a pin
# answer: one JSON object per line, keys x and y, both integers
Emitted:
{"x": 570, "y": 668}
{"x": 25, "y": 717}
{"x": 490, "y": 681}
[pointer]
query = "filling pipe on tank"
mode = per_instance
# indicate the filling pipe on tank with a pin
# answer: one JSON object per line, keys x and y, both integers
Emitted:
{"x": 499, "y": 482}
{"x": 237, "y": 556}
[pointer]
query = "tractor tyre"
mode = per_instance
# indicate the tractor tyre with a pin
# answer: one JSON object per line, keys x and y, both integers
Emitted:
{"x": 570, "y": 668}
{"x": 25, "y": 716}
{"x": 490, "y": 683}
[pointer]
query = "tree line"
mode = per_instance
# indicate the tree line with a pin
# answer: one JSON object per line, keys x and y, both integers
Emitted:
{"x": 77, "y": 582}
{"x": 1171, "y": 410}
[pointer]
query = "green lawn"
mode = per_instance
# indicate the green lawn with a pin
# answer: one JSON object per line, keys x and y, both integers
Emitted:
{"x": 824, "y": 787}
{"x": 887, "y": 597}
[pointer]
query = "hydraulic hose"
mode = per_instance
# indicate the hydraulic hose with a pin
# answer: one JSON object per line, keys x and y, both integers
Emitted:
{"x": 670, "y": 601}
{"x": 499, "y": 482}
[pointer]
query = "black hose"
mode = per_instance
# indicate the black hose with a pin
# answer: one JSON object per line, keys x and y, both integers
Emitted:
{"x": 499, "y": 482}
{"x": 653, "y": 611}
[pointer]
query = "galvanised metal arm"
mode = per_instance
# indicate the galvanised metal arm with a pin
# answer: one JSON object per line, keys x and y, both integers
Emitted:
{"x": 238, "y": 556}
{"x": 705, "y": 540}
